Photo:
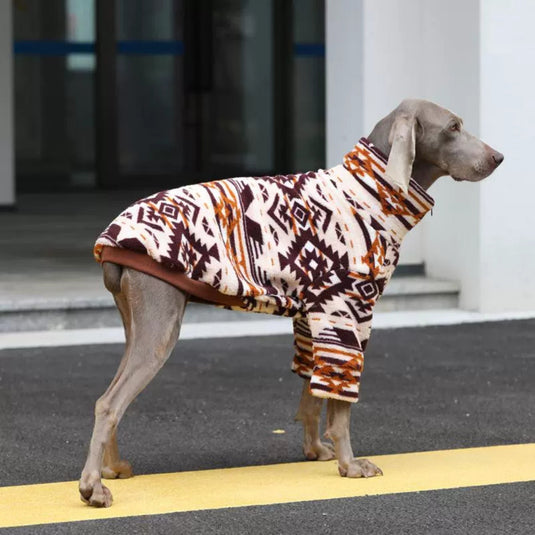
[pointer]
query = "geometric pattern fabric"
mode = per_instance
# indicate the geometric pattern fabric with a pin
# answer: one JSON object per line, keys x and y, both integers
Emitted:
{"x": 319, "y": 247}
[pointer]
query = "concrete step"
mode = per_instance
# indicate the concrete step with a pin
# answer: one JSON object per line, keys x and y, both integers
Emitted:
{"x": 418, "y": 293}
{"x": 71, "y": 301}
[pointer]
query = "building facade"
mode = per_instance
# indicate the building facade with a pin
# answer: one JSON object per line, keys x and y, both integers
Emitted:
{"x": 116, "y": 94}
{"x": 130, "y": 93}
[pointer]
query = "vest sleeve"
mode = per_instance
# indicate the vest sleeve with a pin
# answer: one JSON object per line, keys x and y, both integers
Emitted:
{"x": 303, "y": 362}
{"x": 339, "y": 331}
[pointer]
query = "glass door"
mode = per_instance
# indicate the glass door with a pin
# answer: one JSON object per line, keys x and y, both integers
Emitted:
{"x": 237, "y": 121}
{"x": 194, "y": 91}
{"x": 161, "y": 93}
{"x": 149, "y": 77}
{"x": 54, "y": 69}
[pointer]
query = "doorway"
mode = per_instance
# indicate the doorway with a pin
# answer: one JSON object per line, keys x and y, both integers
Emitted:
{"x": 161, "y": 93}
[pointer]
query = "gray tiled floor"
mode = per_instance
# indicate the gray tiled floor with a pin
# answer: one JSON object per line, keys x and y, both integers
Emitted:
{"x": 47, "y": 242}
{"x": 46, "y": 264}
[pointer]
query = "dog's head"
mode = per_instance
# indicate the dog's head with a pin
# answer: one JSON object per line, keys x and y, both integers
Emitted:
{"x": 421, "y": 131}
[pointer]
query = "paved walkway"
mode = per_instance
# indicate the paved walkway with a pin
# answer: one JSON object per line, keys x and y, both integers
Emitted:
{"x": 50, "y": 238}
{"x": 216, "y": 406}
{"x": 47, "y": 265}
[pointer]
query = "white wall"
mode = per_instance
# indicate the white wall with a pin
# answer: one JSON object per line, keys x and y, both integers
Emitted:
{"x": 450, "y": 60}
{"x": 478, "y": 59}
{"x": 7, "y": 182}
{"x": 392, "y": 50}
{"x": 391, "y": 72}
{"x": 429, "y": 49}
{"x": 344, "y": 91}
{"x": 507, "y": 122}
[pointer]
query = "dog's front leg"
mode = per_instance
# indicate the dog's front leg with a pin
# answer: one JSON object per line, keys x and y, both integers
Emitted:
{"x": 113, "y": 466}
{"x": 338, "y": 418}
{"x": 309, "y": 413}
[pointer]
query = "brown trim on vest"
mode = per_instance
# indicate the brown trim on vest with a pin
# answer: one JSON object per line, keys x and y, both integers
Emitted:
{"x": 200, "y": 291}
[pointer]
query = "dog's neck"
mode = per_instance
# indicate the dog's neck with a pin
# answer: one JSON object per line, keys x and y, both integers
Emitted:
{"x": 426, "y": 173}
{"x": 423, "y": 172}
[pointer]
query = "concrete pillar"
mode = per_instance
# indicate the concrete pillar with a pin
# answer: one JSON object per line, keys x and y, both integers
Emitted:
{"x": 7, "y": 179}
{"x": 344, "y": 70}
{"x": 382, "y": 51}
{"x": 450, "y": 77}
{"x": 391, "y": 72}
{"x": 507, "y": 111}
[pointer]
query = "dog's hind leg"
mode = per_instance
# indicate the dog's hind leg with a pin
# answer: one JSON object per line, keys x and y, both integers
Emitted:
{"x": 309, "y": 413}
{"x": 155, "y": 310}
{"x": 113, "y": 466}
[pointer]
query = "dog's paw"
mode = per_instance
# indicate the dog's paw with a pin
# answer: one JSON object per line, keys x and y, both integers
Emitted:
{"x": 94, "y": 493}
{"x": 320, "y": 452}
{"x": 119, "y": 470}
{"x": 359, "y": 468}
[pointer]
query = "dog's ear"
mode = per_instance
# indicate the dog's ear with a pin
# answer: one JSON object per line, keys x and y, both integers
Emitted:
{"x": 402, "y": 139}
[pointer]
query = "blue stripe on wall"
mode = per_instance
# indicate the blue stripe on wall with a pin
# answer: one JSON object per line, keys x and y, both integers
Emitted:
{"x": 309, "y": 49}
{"x": 52, "y": 48}
{"x": 175, "y": 48}
{"x": 62, "y": 48}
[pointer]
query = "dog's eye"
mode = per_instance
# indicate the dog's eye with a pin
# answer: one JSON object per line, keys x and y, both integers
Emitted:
{"x": 455, "y": 127}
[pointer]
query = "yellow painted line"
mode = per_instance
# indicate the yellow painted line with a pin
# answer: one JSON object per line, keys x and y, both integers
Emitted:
{"x": 264, "y": 485}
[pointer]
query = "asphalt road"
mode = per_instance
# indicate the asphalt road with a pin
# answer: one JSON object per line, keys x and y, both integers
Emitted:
{"x": 216, "y": 403}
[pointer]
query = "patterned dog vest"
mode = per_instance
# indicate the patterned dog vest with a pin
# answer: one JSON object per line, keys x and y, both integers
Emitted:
{"x": 319, "y": 247}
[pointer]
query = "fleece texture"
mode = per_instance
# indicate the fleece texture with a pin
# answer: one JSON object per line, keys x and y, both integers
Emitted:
{"x": 319, "y": 247}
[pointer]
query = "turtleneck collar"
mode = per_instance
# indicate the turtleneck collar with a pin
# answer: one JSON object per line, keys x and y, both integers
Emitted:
{"x": 397, "y": 211}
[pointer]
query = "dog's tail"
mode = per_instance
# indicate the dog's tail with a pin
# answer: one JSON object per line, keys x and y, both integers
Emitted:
{"x": 112, "y": 276}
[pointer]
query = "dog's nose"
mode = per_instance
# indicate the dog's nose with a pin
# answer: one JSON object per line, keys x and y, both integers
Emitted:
{"x": 498, "y": 158}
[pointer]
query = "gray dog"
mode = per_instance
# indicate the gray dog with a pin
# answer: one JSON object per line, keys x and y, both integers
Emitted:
{"x": 318, "y": 247}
